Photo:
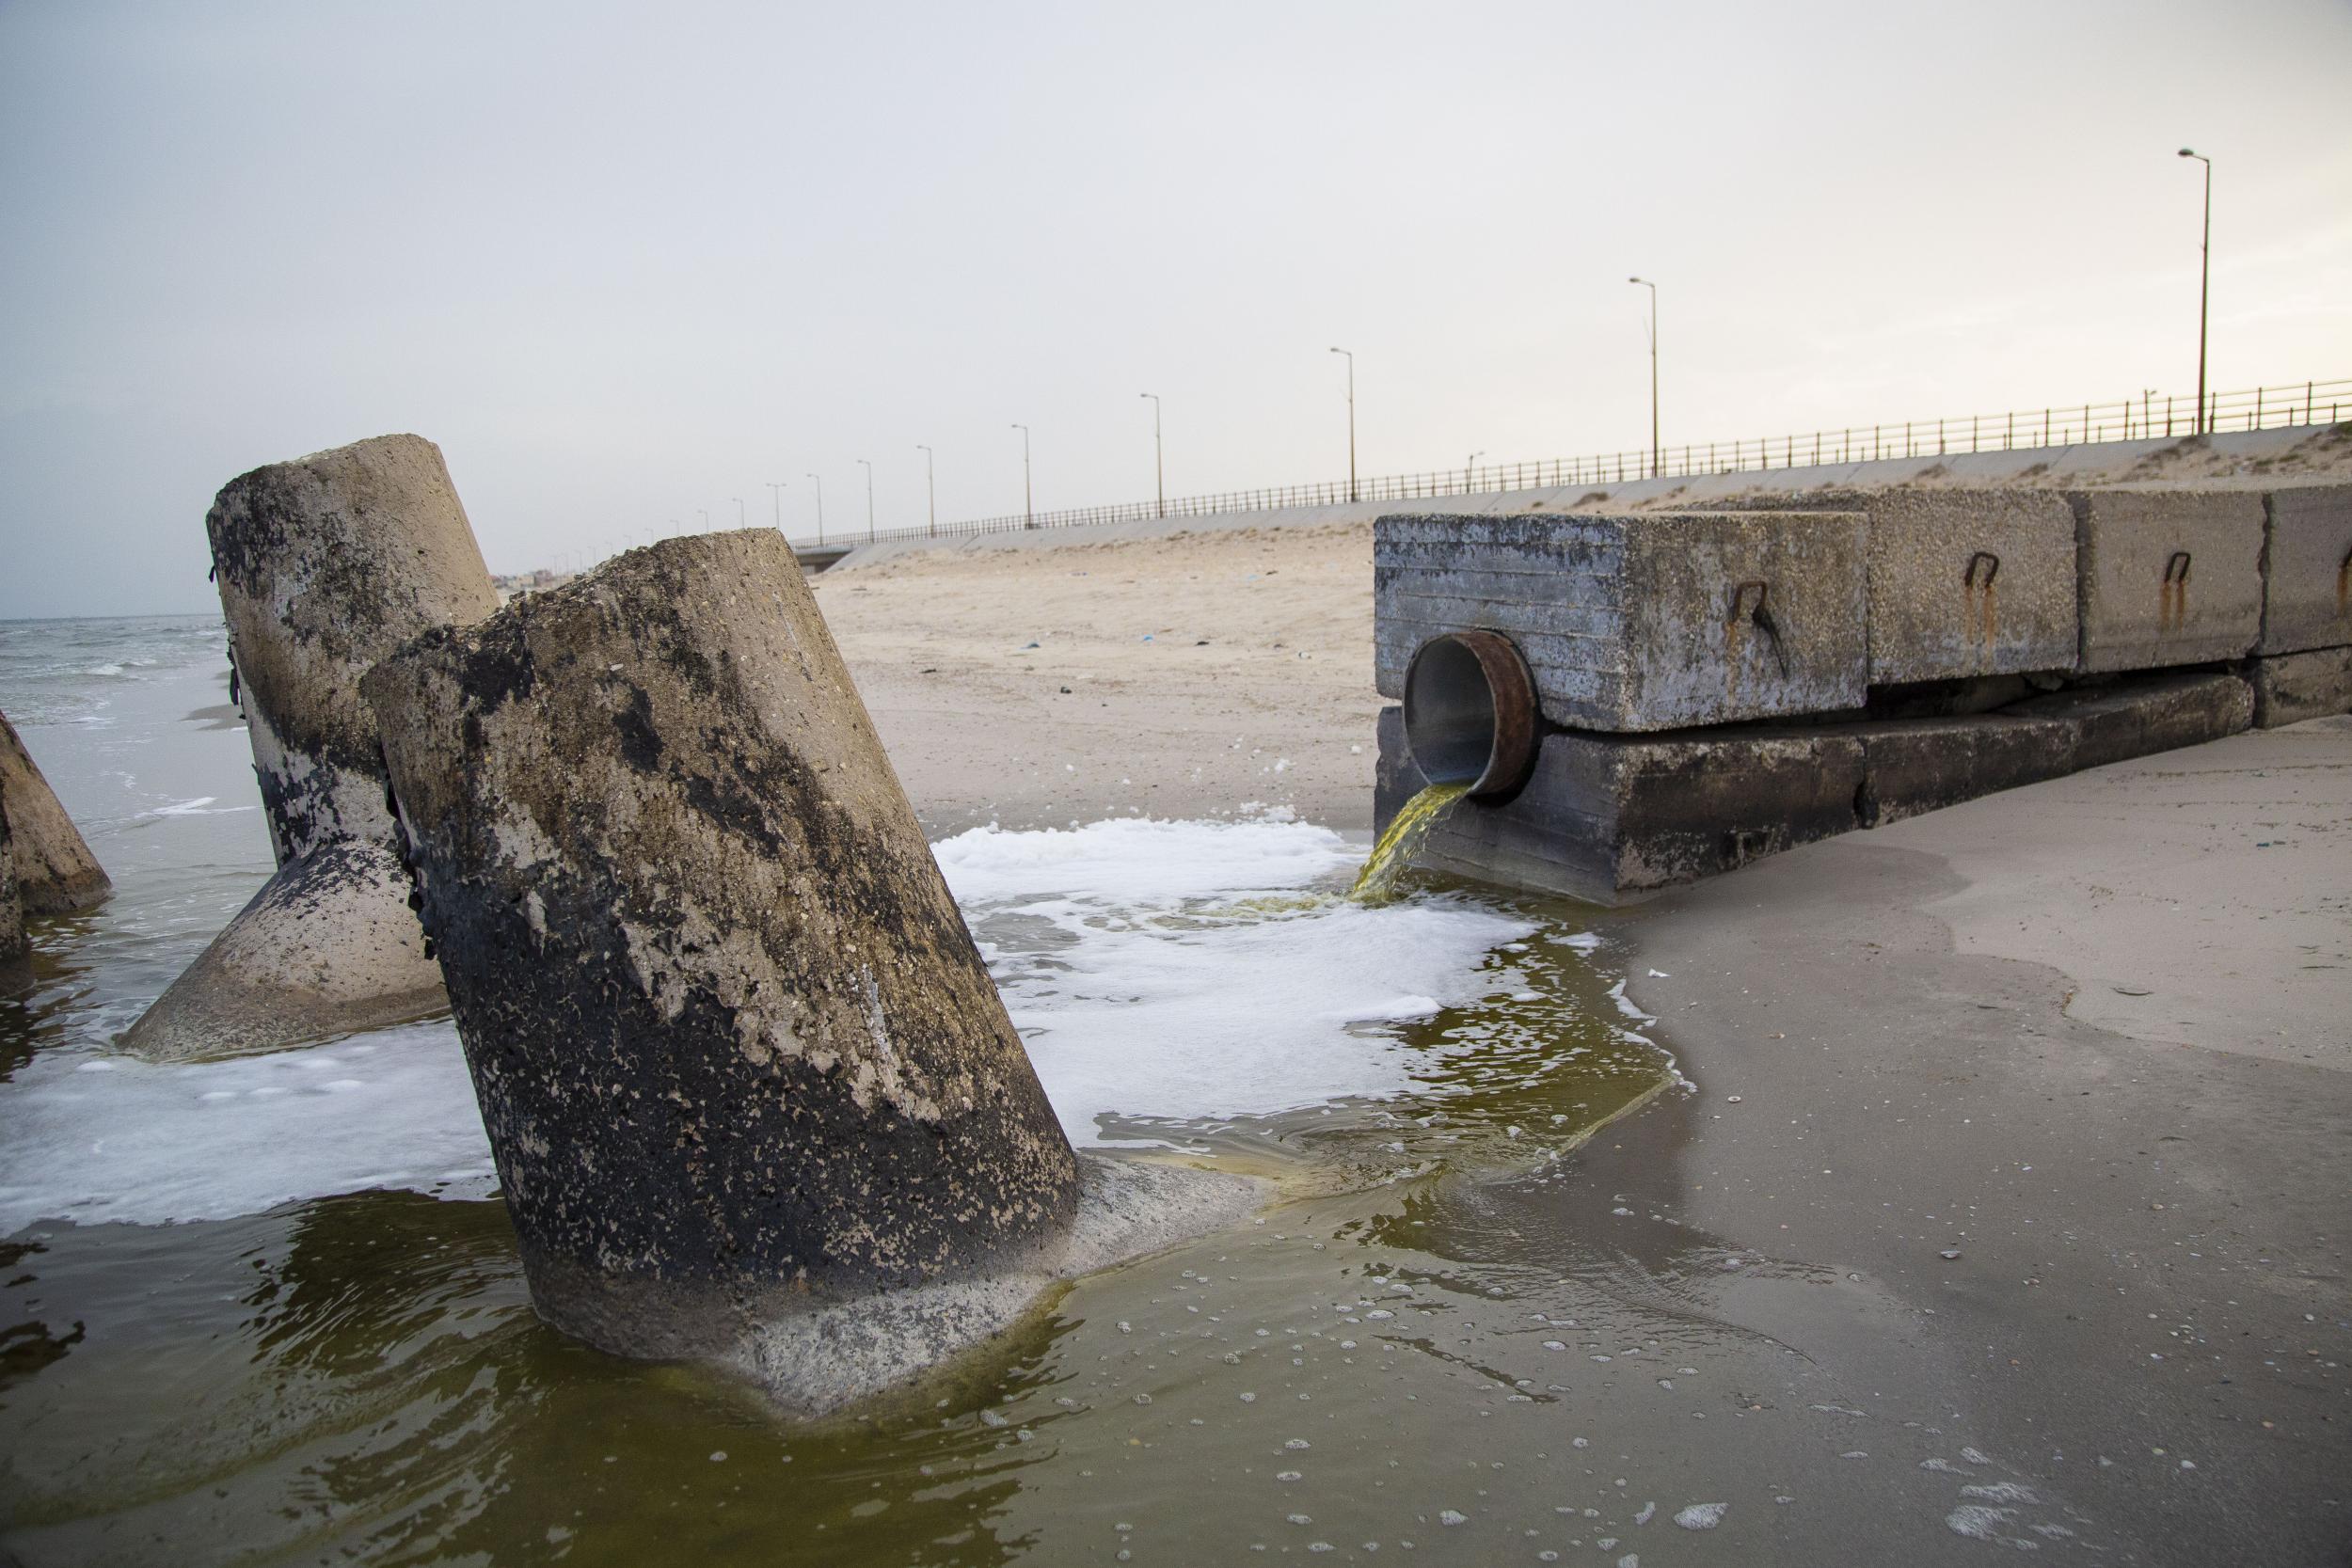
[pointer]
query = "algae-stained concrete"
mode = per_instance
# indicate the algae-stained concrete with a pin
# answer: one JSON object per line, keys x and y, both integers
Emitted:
{"x": 52, "y": 868}
{"x": 1612, "y": 819}
{"x": 736, "y": 1053}
{"x": 2291, "y": 687}
{"x": 1639, "y": 623}
{"x": 2307, "y": 568}
{"x": 2170, "y": 576}
{"x": 12, "y": 944}
{"x": 325, "y": 564}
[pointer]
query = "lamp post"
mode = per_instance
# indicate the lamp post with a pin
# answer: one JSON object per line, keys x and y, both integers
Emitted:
{"x": 2204, "y": 282}
{"x": 703, "y": 512}
{"x": 931, "y": 485}
{"x": 1470, "y": 471}
{"x": 1654, "y": 463}
{"x": 1351, "y": 421}
{"x": 1028, "y": 496}
{"x": 741, "y": 519}
{"x": 820, "y": 507}
{"x": 869, "y": 497}
{"x": 775, "y": 492}
{"x": 1159, "y": 455}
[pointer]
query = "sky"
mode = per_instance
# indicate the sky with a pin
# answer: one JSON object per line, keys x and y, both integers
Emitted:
{"x": 629, "y": 263}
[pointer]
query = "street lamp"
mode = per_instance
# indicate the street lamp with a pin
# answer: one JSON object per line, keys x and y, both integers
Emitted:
{"x": 869, "y": 498}
{"x": 1159, "y": 455}
{"x": 1351, "y": 421}
{"x": 775, "y": 491}
{"x": 1470, "y": 472}
{"x": 1028, "y": 496}
{"x": 1656, "y": 466}
{"x": 820, "y": 507}
{"x": 2204, "y": 282}
{"x": 930, "y": 485}
{"x": 703, "y": 512}
{"x": 741, "y": 520}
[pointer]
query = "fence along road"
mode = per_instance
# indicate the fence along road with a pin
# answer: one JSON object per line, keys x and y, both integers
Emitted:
{"x": 2307, "y": 403}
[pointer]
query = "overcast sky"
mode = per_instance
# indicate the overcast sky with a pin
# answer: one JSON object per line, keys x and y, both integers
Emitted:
{"x": 627, "y": 263}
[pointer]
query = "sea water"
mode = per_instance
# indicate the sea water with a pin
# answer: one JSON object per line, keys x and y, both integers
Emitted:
{"x": 270, "y": 1310}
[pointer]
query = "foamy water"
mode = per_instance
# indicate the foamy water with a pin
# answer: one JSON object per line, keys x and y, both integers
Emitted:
{"x": 1173, "y": 971}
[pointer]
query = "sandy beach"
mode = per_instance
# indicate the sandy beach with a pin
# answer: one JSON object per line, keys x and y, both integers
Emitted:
{"x": 2025, "y": 1118}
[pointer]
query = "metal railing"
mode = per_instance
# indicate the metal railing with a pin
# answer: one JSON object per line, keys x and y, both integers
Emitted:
{"x": 2309, "y": 402}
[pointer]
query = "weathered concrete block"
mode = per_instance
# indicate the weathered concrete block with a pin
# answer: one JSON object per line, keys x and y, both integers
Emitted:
{"x": 330, "y": 939}
{"x": 2137, "y": 718}
{"x": 1963, "y": 582}
{"x": 2307, "y": 575}
{"x": 1609, "y": 818}
{"x": 1912, "y": 767}
{"x": 54, "y": 871}
{"x": 325, "y": 564}
{"x": 1638, "y": 624}
{"x": 2291, "y": 687}
{"x": 737, "y": 1054}
{"x": 2170, "y": 576}
{"x": 12, "y": 942}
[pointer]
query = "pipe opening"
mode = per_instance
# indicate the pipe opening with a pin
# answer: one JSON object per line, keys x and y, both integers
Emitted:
{"x": 1470, "y": 713}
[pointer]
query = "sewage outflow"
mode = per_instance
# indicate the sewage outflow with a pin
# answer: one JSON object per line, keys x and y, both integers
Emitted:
{"x": 1403, "y": 838}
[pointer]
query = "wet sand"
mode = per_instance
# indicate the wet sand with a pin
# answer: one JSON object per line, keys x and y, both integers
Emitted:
{"x": 2091, "y": 1037}
{"x": 1934, "y": 1049}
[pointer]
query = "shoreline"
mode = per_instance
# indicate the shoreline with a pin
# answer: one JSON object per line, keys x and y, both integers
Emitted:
{"x": 2118, "y": 1257}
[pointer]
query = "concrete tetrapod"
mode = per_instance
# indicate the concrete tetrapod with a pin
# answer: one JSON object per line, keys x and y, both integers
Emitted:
{"x": 325, "y": 564}
{"x": 53, "y": 871}
{"x": 751, "y": 1094}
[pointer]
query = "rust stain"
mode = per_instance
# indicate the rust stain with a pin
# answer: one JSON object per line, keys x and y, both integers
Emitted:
{"x": 2173, "y": 606}
{"x": 1976, "y": 589}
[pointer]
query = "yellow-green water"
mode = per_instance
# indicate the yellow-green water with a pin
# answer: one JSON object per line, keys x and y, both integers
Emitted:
{"x": 1376, "y": 883}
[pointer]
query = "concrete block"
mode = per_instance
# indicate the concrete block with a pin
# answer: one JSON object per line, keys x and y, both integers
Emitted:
{"x": 2291, "y": 687}
{"x": 1911, "y": 767}
{"x": 52, "y": 868}
{"x": 1963, "y": 582}
{"x": 2170, "y": 576}
{"x": 736, "y": 1053}
{"x": 325, "y": 564}
{"x": 1610, "y": 818}
{"x": 2307, "y": 569}
{"x": 2133, "y": 718}
{"x": 1638, "y": 624}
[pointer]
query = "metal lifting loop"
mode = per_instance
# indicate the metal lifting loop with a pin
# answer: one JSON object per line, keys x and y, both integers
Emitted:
{"x": 1992, "y": 569}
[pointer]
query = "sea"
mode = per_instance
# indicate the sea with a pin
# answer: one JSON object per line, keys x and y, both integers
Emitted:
{"x": 268, "y": 1309}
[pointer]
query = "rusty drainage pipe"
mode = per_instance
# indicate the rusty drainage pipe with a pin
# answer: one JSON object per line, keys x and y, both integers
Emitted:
{"x": 1470, "y": 714}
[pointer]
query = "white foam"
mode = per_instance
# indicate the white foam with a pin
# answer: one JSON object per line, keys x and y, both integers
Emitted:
{"x": 1144, "y": 988}
{"x": 1139, "y": 859}
{"x": 1178, "y": 988}
{"x": 145, "y": 1143}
